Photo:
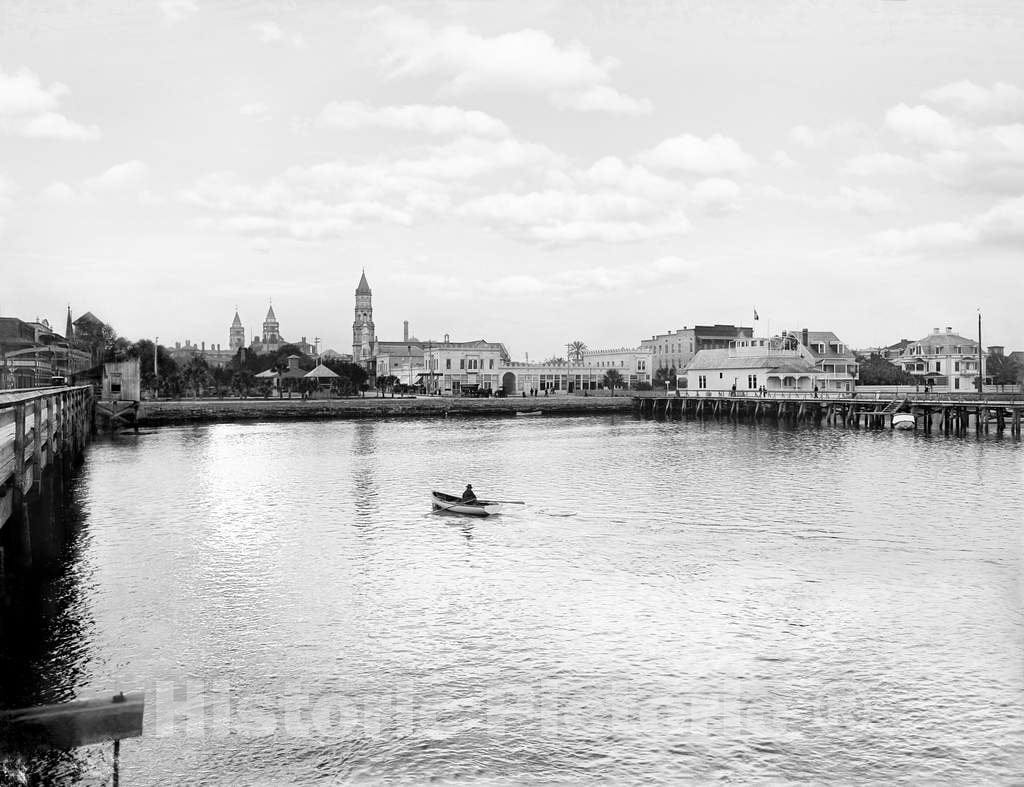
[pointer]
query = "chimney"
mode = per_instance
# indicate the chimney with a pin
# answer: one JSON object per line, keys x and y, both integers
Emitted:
{"x": 446, "y": 339}
{"x": 803, "y": 337}
{"x": 405, "y": 331}
{"x": 948, "y": 329}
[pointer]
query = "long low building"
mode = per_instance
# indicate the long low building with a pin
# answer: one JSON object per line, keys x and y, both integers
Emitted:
{"x": 780, "y": 363}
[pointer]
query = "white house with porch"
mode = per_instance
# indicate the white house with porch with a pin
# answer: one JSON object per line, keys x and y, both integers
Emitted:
{"x": 779, "y": 363}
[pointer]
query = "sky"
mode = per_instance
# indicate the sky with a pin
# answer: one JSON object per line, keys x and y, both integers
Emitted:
{"x": 529, "y": 172}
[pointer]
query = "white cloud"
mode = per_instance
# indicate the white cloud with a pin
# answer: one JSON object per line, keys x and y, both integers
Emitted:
{"x": 129, "y": 174}
{"x": 717, "y": 154}
{"x": 715, "y": 195}
{"x": 61, "y": 193}
{"x": 178, "y": 10}
{"x": 1002, "y": 224}
{"x": 866, "y": 201}
{"x": 413, "y": 117}
{"x": 1000, "y": 103}
{"x": 527, "y": 61}
{"x": 53, "y": 125}
{"x": 128, "y": 177}
{"x": 28, "y": 109}
{"x": 256, "y": 110}
{"x": 870, "y": 164}
{"x": 923, "y": 125}
{"x": 783, "y": 160}
{"x": 21, "y": 93}
{"x": 7, "y": 190}
{"x": 588, "y": 282}
{"x": 272, "y": 33}
{"x": 827, "y": 136}
{"x": 602, "y": 98}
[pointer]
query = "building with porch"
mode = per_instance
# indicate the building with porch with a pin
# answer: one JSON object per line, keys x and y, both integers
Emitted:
{"x": 944, "y": 359}
{"x": 780, "y": 363}
{"x": 675, "y": 349}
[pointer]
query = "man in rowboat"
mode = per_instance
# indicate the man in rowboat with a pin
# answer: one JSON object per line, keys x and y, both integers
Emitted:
{"x": 468, "y": 496}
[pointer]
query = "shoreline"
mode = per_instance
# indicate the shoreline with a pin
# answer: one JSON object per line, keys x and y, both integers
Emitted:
{"x": 184, "y": 411}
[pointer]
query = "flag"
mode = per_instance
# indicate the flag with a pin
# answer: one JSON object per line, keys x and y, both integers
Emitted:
{"x": 755, "y": 314}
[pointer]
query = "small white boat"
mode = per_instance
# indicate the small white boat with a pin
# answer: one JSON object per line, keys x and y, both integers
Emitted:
{"x": 903, "y": 421}
{"x": 529, "y": 412}
{"x": 455, "y": 504}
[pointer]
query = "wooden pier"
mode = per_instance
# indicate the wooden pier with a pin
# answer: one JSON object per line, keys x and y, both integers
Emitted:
{"x": 42, "y": 432}
{"x": 953, "y": 415}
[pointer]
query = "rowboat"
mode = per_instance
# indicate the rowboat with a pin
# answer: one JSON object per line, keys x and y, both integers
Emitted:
{"x": 903, "y": 421}
{"x": 455, "y": 505}
{"x": 528, "y": 412}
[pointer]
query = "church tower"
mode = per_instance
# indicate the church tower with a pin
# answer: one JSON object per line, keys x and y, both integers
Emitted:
{"x": 271, "y": 328}
{"x": 236, "y": 333}
{"x": 69, "y": 329}
{"x": 363, "y": 317}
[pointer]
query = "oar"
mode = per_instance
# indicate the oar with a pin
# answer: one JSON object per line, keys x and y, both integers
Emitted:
{"x": 510, "y": 502}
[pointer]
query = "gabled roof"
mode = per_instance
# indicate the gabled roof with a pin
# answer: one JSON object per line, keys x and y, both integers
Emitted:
{"x": 321, "y": 371}
{"x": 267, "y": 374}
{"x": 364, "y": 287}
{"x": 89, "y": 317}
{"x": 714, "y": 360}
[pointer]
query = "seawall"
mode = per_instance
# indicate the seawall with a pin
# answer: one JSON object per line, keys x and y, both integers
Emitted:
{"x": 226, "y": 410}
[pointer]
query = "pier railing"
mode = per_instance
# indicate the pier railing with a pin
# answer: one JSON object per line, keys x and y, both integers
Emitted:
{"x": 858, "y": 396}
{"x": 37, "y": 426}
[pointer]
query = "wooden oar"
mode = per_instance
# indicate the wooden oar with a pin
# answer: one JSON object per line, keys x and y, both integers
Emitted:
{"x": 510, "y": 502}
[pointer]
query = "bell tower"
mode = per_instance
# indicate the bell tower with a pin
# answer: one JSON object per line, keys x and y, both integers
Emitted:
{"x": 236, "y": 333}
{"x": 361, "y": 338}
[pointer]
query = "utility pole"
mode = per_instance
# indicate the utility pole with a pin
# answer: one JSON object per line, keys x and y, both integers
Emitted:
{"x": 156, "y": 371}
{"x": 981, "y": 379}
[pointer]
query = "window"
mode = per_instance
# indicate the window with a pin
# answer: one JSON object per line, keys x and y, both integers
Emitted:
{"x": 751, "y": 381}
{"x": 956, "y": 382}
{"x": 702, "y": 381}
{"x": 448, "y": 363}
{"x": 956, "y": 366}
{"x": 115, "y": 382}
{"x": 492, "y": 364}
{"x": 462, "y": 363}
{"x": 938, "y": 366}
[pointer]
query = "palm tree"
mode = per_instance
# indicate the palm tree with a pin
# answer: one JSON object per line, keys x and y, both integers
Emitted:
{"x": 576, "y": 349}
{"x": 612, "y": 379}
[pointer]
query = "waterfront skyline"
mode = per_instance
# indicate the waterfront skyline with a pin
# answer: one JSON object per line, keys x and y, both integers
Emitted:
{"x": 527, "y": 174}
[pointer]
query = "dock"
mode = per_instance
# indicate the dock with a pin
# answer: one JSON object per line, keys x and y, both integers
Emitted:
{"x": 43, "y": 432}
{"x": 947, "y": 414}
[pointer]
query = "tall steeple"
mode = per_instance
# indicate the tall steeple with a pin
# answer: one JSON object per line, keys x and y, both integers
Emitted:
{"x": 236, "y": 333}
{"x": 69, "y": 330}
{"x": 271, "y": 328}
{"x": 362, "y": 339}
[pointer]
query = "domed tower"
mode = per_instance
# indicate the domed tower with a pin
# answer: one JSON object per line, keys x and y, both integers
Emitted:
{"x": 363, "y": 316}
{"x": 236, "y": 333}
{"x": 271, "y": 328}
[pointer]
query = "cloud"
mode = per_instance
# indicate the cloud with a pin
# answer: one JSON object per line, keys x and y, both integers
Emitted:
{"x": 273, "y": 33}
{"x": 127, "y": 177}
{"x": 7, "y": 190}
{"x": 783, "y": 160}
{"x": 923, "y": 125}
{"x": 1003, "y": 224}
{"x": 53, "y": 125}
{"x": 827, "y": 136}
{"x": 130, "y": 174}
{"x": 602, "y": 98}
{"x": 21, "y": 93}
{"x": 350, "y": 115}
{"x": 870, "y": 164}
{"x": 866, "y": 201}
{"x": 256, "y": 110}
{"x": 1000, "y": 103}
{"x": 717, "y": 154}
{"x": 526, "y": 61}
{"x": 178, "y": 10}
{"x": 593, "y": 281}
{"x": 28, "y": 109}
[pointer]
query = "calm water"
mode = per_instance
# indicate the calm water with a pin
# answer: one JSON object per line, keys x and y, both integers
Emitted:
{"x": 677, "y": 602}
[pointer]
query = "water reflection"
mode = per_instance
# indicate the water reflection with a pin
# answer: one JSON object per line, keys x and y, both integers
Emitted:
{"x": 686, "y": 601}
